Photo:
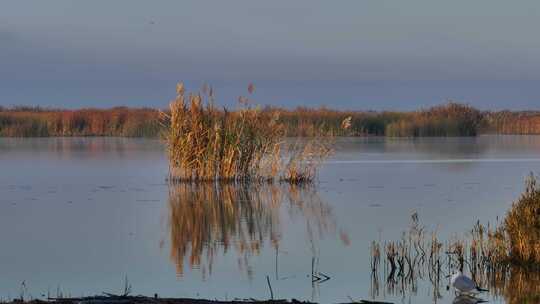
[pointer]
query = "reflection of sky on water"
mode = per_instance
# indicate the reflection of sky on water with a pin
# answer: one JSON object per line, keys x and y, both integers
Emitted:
{"x": 486, "y": 147}
{"x": 81, "y": 213}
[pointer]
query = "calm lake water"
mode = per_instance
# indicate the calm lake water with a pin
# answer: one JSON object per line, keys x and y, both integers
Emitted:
{"x": 80, "y": 214}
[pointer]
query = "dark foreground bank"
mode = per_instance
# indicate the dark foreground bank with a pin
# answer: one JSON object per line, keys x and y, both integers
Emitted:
{"x": 113, "y": 299}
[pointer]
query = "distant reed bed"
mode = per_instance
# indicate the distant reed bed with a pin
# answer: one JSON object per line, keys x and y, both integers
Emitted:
{"x": 40, "y": 122}
{"x": 506, "y": 122}
{"x": 449, "y": 119}
{"x": 306, "y": 122}
{"x": 207, "y": 144}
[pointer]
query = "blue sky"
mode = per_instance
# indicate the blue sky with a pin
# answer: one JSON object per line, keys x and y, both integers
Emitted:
{"x": 345, "y": 54}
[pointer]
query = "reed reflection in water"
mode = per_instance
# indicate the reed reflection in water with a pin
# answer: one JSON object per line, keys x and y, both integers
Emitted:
{"x": 510, "y": 285}
{"x": 516, "y": 285}
{"x": 210, "y": 218}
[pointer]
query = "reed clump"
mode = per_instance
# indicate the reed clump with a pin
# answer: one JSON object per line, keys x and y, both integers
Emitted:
{"x": 522, "y": 225}
{"x": 516, "y": 241}
{"x": 207, "y": 144}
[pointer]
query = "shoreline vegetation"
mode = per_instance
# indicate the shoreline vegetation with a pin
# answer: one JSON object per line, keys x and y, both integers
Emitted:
{"x": 504, "y": 258}
{"x": 448, "y": 119}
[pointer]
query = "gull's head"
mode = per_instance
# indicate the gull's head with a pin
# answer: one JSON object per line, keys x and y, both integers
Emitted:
{"x": 453, "y": 276}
